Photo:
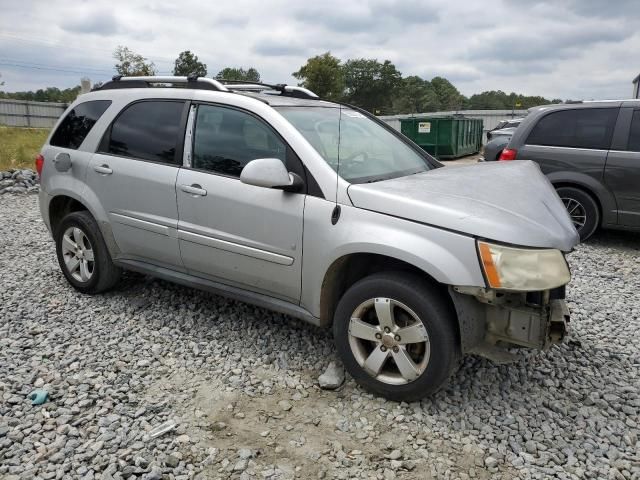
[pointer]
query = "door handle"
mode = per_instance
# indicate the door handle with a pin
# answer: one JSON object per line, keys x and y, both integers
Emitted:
{"x": 194, "y": 189}
{"x": 103, "y": 169}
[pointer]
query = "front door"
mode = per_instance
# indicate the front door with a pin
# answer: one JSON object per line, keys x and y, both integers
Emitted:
{"x": 233, "y": 233}
{"x": 134, "y": 175}
{"x": 622, "y": 173}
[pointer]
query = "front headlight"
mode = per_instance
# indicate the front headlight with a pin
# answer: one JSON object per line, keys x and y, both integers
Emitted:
{"x": 521, "y": 269}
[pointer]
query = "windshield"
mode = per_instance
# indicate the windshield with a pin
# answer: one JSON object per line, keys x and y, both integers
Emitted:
{"x": 355, "y": 146}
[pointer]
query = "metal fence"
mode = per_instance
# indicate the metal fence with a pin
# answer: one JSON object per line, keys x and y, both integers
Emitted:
{"x": 21, "y": 113}
{"x": 490, "y": 118}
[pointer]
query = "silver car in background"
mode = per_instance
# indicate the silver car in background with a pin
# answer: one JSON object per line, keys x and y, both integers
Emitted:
{"x": 315, "y": 209}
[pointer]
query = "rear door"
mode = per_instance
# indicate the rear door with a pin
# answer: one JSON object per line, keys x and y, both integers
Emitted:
{"x": 622, "y": 174}
{"x": 571, "y": 140}
{"x": 134, "y": 173}
{"x": 233, "y": 233}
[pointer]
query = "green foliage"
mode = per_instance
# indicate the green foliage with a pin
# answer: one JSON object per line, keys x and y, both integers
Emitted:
{"x": 132, "y": 64}
{"x": 371, "y": 85}
{"x": 187, "y": 63}
{"x": 232, "y": 73}
{"x": 50, "y": 94}
{"x": 19, "y": 146}
{"x": 498, "y": 100}
{"x": 323, "y": 75}
{"x": 449, "y": 96}
{"x": 415, "y": 96}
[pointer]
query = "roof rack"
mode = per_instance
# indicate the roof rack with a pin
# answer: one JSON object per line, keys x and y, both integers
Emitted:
{"x": 202, "y": 83}
{"x": 192, "y": 81}
{"x": 283, "y": 89}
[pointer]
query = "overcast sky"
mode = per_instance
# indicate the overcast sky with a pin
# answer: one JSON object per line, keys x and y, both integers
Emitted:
{"x": 578, "y": 49}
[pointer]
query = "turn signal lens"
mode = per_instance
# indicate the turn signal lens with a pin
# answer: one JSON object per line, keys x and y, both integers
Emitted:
{"x": 487, "y": 263}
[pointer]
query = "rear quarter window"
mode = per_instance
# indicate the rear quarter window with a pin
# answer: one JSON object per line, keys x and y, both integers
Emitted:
{"x": 634, "y": 135}
{"x": 578, "y": 128}
{"x": 78, "y": 123}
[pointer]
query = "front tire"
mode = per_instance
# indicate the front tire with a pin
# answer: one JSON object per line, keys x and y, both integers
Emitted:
{"x": 82, "y": 254}
{"x": 582, "y": 209}
{"x": 396, "y": 335}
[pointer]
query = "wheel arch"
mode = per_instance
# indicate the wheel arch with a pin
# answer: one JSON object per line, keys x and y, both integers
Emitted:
{"x": 350, "y": 268}
{"x": 63, "y": 202}
{"x": 586, "y": 190}
{"x": 603, "y": 197}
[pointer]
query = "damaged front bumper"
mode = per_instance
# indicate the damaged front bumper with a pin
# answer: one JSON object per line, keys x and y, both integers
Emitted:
{"x": 492, "y": 321}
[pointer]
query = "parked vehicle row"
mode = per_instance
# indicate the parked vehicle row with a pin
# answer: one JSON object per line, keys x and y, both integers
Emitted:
{"x": 504, "y": 128}
{"x": 267, "y": 194}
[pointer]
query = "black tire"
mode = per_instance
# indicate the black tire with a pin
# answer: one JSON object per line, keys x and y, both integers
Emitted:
{"x": 103, "y": 273}
{"x": 437, "y": 315}
{"x": 581, "y": 205}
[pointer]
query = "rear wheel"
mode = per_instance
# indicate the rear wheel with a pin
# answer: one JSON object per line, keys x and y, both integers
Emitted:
{"x": 396, "y": 335}
{"x": 83, "y": 255}
{"x": 582, "y": 209}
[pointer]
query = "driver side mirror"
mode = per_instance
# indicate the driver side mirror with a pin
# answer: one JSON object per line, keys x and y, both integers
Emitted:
{"x": 270, "y": 173}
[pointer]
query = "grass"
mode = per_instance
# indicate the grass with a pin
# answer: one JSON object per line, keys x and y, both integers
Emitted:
{"x": 19, "y": 146}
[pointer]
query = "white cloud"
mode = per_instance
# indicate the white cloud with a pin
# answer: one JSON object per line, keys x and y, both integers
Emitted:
{"x": 564, "y": 48}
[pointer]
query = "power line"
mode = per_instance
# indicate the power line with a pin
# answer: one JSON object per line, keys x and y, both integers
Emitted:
{"x": 62, "y": 70}
{"x": 53, "y": 44}
{"x": 44, "y": 65}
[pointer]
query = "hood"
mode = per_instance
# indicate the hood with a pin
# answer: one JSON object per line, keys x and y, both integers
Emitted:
{"x": 509, "y": 202}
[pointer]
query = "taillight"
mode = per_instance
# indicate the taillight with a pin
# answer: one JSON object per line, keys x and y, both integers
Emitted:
{"x": 508, "y": 154}
{"x": 39, "y": 163}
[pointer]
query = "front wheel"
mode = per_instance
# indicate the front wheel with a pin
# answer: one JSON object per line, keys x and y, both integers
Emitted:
{"x": 582, "y": 209}
{"x": 396, "y": 335}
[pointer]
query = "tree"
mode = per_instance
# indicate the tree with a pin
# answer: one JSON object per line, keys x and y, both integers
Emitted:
{"x": 232, "y": 73}
{"x": 50, "y": 94}
{"x": 416, "y": 95}
{"x": 371, "y": 85}
{"x": 449, "y": 96}
{"x": 323, "y": 75}
{"x": 187, "y": 64}
{"x": 497, "y": 99}
{"x": 132, "y": 64}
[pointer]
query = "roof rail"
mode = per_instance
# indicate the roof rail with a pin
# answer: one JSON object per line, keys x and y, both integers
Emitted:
{"x": 286, "y": 90}
{"x": 192, "y": 81}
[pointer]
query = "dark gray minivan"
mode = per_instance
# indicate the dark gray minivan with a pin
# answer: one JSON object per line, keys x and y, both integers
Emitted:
{"x": 591, "y": 153}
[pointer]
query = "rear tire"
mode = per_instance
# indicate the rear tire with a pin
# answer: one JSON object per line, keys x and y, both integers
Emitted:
{"x": 419, "y": 350}
{"x": 582, "y": 209}
{"x": 82, "y": 254}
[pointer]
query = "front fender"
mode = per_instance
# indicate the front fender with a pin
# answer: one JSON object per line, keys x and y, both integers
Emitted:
{"x": 449, "y": 257}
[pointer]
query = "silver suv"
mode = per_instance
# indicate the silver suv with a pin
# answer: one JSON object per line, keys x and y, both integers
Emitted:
{"x": 318, "y": 210}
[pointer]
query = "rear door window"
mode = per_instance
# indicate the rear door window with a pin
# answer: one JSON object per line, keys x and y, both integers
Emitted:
{"x": 579, "y": 128}
{"x": 148, "y": 130}
{"x": 634, "y": 135}
{"x": 78, "y": 123}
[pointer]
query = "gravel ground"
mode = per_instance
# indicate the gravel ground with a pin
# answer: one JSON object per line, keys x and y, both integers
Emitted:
{"x": 239, "y": 386}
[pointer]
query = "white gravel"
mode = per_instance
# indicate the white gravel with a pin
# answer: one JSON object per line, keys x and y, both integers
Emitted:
{"x": 236, "y": 386}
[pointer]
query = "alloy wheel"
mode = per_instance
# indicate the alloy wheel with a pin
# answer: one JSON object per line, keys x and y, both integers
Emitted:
{"x": 576, "y": 211}
{"x": 389, "y": 341}
{"x": 78, "y": 254}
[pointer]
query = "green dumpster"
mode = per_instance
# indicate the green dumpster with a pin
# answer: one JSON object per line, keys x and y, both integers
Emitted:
{"x": 445, "y": 137}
